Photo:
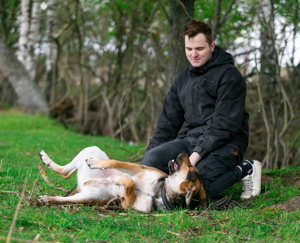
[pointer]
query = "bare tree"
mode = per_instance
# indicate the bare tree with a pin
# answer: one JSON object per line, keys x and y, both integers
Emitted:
{"x": 52, "y": 51}
{"x": 268, "y": 69}
{"x": 30, "y": 63}
{"x": 28, "y": 94}
{"x": 24, "y": 29}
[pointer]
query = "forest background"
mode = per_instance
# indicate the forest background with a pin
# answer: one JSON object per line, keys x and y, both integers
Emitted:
{"x": 110, "y": 64}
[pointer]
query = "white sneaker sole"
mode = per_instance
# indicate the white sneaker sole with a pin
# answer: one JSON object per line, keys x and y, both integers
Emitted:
{"x": 256, "y": 184}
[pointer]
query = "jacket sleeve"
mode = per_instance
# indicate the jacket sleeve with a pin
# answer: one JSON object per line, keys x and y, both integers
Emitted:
{"x": 228, "y": 115}
{"x": 170, "y": 120}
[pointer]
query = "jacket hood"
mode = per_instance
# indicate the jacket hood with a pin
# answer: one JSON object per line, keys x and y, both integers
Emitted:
{"x": 219, "y": 57}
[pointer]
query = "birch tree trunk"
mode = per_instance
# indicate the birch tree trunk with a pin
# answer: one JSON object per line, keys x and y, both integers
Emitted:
{"x": 24, "y": 29}
{"x": 30, "y": 64}
{"x": 52, "y": 51}
{"x": 28, "y": 94}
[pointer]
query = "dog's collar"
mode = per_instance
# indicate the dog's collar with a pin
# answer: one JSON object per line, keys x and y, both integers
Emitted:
{"x": 166, "y": 201}
{"x": 154, "y": 206}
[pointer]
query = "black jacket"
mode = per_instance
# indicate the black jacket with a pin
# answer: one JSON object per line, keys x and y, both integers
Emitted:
{"x": 210, "y": 100}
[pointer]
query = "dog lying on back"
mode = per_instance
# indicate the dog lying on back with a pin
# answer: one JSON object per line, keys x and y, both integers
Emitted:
{"x": 139, "y": 187}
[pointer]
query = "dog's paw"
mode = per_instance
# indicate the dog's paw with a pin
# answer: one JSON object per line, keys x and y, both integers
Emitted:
{"x": 94, "y": 164}
{"x": 45, "y": 159}
{"x": 43, "y": 200}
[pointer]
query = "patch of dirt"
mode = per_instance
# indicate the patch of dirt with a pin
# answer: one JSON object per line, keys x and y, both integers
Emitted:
{"x": 297, "y": 183}
{"x": 288, "y": 178}
{"x": 292, "y": 178}
{"x": 290, "y": 205}
{"x": 266, "y": 179}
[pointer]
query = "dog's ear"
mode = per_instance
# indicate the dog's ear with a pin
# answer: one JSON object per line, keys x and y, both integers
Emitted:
{"x": 202, "y": 198}
{"x": 190, "y": 190}
{"x": 189, "y": 194}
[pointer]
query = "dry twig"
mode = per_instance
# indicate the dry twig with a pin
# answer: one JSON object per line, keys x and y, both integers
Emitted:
{"x": 26, "y": 241}
{"x": 46, "y": 179}
{"x": 33, "y": 188}
{"x": 173, "y": 233}
{"x": 113, "y": 200}
{"x": 115, "y": 147}
{"x": 16, "y": 212}
{"x": 11, "y": 192}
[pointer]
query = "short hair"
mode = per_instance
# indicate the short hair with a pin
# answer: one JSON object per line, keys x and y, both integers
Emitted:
{"x": 194, "y": 27}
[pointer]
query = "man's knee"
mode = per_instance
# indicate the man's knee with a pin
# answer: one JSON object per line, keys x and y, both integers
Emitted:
{"x": 150, "y": 159}
{"x": 154, "y": 159}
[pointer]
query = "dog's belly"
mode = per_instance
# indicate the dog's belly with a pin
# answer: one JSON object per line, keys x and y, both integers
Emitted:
{"x": 86, "y": 174}
{"x": 101, "y": 189}
{"x": 94, "y": 184}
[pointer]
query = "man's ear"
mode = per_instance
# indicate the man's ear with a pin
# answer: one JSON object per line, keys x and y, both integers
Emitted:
{"x": 212, "y": 47}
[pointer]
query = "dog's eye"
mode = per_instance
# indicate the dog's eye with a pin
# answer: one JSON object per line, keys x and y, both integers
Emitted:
{"x": 190, "y": 166}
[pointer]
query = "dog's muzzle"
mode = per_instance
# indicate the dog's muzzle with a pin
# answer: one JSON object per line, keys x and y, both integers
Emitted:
{"x": 173, "y": 166}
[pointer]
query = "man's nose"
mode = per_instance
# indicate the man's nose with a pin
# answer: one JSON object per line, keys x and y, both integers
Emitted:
{"x": 194, "y": 53}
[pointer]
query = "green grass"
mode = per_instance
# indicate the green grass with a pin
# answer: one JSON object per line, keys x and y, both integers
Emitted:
{"x": 22, "y": 136}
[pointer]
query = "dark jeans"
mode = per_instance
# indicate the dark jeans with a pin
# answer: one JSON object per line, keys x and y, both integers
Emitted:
{"x": 218, "y": 170}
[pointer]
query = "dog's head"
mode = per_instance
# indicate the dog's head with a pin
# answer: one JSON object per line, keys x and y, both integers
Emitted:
{"x": 184, "y": 185}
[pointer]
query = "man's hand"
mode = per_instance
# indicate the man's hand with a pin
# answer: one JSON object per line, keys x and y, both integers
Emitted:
{"x": 194, "y": 158}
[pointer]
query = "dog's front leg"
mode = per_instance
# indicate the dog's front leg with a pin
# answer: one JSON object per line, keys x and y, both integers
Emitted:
{"x": 128, "y": 197}
{"x": 126, "y": 167}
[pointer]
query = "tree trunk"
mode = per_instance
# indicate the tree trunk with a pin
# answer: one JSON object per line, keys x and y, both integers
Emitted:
{"x": 30, "y": 64}
{"x": 268, "y": 60}
{"x": 28, "y": 94}
{"x": 24, "y": 29}
{"x": 181, "y": 12}
{"x": 51, "y": 52}
{"x": 268, "y": 75}
{"x": 7, "y": 93}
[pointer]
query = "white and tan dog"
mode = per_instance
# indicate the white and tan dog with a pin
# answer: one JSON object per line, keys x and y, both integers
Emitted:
{"x": 140, "y": 187}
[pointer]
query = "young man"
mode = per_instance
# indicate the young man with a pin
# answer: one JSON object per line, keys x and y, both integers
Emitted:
{"x": 208, "y": 97}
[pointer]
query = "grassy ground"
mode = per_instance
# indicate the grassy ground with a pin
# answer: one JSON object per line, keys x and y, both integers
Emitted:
{"x": 23, "y": 136}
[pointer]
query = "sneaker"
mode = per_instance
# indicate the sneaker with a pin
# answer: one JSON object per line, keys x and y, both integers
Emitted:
{"x": 252, "y": 183}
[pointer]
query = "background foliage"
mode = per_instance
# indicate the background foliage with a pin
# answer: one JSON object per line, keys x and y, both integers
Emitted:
{"x": 115, "y": 61}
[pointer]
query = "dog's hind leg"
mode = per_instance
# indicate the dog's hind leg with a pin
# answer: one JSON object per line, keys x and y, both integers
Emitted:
{"x": 78, "y": 162}
{"x": 128, "y": 197}
{"x": 76, "y": 198}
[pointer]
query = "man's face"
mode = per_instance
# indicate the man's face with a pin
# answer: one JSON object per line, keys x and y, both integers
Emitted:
{"x": 197, "y": 50}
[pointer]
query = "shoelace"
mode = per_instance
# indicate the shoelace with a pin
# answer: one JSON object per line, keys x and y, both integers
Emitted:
{"x": 247, "y": 184}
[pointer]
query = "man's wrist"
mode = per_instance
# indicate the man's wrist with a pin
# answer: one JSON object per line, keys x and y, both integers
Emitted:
{"x": 195, "y": 158}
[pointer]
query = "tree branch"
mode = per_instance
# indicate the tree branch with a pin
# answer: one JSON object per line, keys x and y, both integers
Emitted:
{"x": 165, "y": 12}
{"x": 185, "y": 10}
{"x": 222, "y": 21}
